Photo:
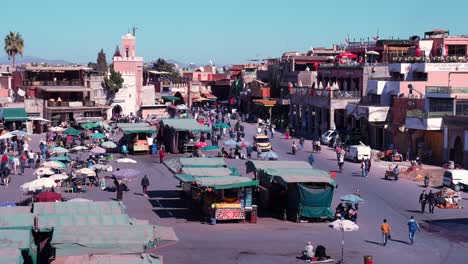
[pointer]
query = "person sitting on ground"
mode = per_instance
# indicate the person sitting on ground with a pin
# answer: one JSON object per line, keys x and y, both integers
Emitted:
{"x": 321, "y": 253}
{"x": 308, "y": 251}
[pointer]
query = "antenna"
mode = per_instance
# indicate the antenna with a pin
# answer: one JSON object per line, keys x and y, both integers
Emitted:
{"x": 134, "y": 29}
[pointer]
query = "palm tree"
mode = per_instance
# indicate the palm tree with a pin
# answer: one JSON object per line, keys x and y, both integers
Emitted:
{"x": 14, "y": 44}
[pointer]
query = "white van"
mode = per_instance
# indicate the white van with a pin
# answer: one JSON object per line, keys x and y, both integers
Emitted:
{"x": 456, "y": 179}
{"x": 357, "y": 152}
{"x": 327, "y": 136}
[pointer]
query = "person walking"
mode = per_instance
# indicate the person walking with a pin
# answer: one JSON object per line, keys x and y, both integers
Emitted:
{"x": 286, "y": 134}
{"x": 124, "y": 150}
{"x": 311, "y": 159}
{"x": 338, "y": 151}
{"x": 301, "y": 143}
{"x": 144, "y": 185}
{"x": 396, "y": 172}
{"x": 363, "y": 168}
{"x": 249, "y": 151}
{"x": 413, "y": 226}
{"x": 259, "y": 152}
{"x": 161, "y": 155}
{"x": 431, "y": 201}
{"x": 423, "y": 201}
{"x": 368, "y": 165}
{"x": 120, "y": 188}
{"x": 22, "y": 162}
{"x": 272, "y": 132}
{"x": 385, "y": 228}
{"x": 31, "y": 159}
{"x": 341, "y": 162}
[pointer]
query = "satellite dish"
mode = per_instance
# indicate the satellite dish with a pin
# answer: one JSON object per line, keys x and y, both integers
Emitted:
{"x": 21, "y": 92}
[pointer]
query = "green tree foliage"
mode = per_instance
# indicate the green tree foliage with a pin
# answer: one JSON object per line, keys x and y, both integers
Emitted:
{"x": 112, "y": 84}
{"x": 14, "y": 45}
{"x": 101, "y": 63}
{"x": 163, "y": 66}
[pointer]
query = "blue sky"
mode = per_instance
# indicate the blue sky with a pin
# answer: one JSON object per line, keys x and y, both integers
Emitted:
{"x": 223, "y": 31}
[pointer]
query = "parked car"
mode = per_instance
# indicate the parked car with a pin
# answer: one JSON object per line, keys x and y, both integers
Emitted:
{"x": 327, "y": 136}
{"x": 357, "y": 152}
{"x": 263, "y": 142}
{"x": 456, "y": 179}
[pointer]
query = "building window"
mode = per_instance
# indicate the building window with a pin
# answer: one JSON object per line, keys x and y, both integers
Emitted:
{"x": 441, "y": 105}
{"x": 462, "y": 108}
{"x": 126, "y": 52}
{"x": 419, "y": 76}
{"x": 456, "y": 50}
{"x": 396, "y": 76}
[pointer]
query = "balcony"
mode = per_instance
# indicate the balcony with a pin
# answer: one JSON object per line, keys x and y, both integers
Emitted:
{"x": 417, "y": 119}
{"x": 335, "y": 94}
{"x": 54, "y": 83}
{"x": 446, "y": 91}
{"x": 54, "y": 104}
{"x": 436, "y": 59}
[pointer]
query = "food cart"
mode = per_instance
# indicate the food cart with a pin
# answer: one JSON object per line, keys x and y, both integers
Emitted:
{"x": 222, "y": 198}
{"x": 137, "y": 136}
{"x": 298, "y": 192}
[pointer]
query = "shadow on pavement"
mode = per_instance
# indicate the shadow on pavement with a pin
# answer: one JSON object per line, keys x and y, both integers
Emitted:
{"x": 414, "y": 211}
{"x": 400, "y": 241}
{"x": 172, "y": 204}
{"x": 458, "y": 221}
{"x": 373, "y": 242}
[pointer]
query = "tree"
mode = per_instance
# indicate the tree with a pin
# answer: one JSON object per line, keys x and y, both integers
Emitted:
{"x": 92, "y": 65}
{"x": 14, "y": 45}
{"x": 101, "y": 63}
{"x": 112, "y": 84}
{"x": 163, "y": 66}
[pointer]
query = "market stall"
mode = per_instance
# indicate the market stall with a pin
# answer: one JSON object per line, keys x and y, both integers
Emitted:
{"x": 298, "y": 193}
{"x": 180, "y": 134}
{"x": 137, "y": 136}
{"x": 175, "y": 165}
{"x": 222, "y": 197}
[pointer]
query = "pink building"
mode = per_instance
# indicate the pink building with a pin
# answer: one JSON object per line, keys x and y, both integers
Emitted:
{"x": 129, "y": 97}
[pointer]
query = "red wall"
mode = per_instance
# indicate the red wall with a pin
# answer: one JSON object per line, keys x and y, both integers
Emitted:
{"x": 401, "y": 105}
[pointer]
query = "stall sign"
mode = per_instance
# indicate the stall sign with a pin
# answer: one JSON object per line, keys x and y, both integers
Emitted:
{"x": 229, "y": 214}
{"x": 248, "y": 197}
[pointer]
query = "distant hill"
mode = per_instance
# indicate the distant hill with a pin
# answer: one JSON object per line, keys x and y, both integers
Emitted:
{"x": 32, "y": 59}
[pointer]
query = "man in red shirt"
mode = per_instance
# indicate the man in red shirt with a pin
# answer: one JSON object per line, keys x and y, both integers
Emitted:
{"x": 4, "y": 161}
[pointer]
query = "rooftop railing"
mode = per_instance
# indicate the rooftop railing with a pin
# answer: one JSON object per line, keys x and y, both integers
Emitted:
{"x": 436, "y": 59}
{"x": 424, "y": 115}
{"x": 446, "y": 89}
{"x": 54, "y": 83}
{"x": 334, "y": 94}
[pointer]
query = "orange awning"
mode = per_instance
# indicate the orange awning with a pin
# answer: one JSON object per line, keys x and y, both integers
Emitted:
{"x": 264, "y": 102}
{"x": 209, "y": 96}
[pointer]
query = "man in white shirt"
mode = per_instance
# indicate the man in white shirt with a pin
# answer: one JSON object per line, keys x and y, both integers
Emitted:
{"x": 308, "y": 251}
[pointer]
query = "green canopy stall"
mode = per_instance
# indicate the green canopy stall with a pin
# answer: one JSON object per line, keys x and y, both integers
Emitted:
{"x": 299, "y": 191}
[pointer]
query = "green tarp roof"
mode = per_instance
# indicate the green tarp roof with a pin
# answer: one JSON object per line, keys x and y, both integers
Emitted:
{"x": 72, "y": 131}
{"x": 46, "y": 222}
{"x": 121, "y": 239}
{"x": 15, "y": 114}
{"x": 219, "y": 171}
{"x": 170, "y": 97}
{"x": 92, "y": 208}
{"x": 15, "y": 210}
{"x": 137, "y": 130}
{"x": 278, "y": 164}
{"x": 144, "y": 258}
{"x": 202, "y": 162}
{"x": 218, "y": 182}
{"x": 20, "y": 239}
{"x": 17, "y": 221}
{"x": 124, "y": 125}
{"x": 286, "y": 176}
{"x": 185, "y": 124}
{"x": 11, "y": 256}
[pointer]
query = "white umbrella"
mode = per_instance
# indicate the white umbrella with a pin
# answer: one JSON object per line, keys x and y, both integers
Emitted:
{"x": 58, "y": 177}
{"x": 56, "y": 129}
{"x": 6, "y": 136}
{"x": 343, "y": 226}
{"x": 38, "y": 184}
{"x": 102, "y": 167}
{"x": 86, "y": 172}
{"x": 373, "y": 52}
{"x": 43, "y": 171}
{"x": 79, "y": 148}
{"x": 126, "y": 160}
{"x": 53, "y": 165}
